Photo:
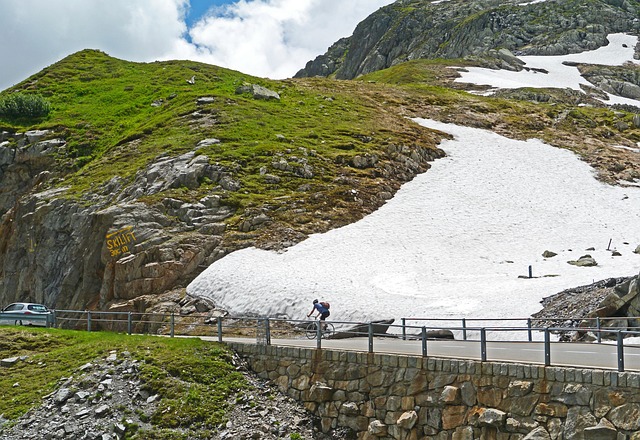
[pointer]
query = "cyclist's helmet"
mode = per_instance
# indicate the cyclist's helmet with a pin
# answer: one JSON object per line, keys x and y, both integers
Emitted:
{"x": 315, "y": 301}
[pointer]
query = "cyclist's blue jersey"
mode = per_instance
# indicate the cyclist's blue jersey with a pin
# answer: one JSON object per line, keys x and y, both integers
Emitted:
{"x": 320, "y": 308}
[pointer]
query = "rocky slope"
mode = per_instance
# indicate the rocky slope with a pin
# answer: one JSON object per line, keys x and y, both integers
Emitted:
{"x": 106, "y": 400}
{"x": 459, "y": 28}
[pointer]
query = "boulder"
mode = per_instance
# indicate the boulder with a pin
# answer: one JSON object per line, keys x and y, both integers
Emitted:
{"x": 584, "y": 261}
{"x": 379, "y": 329}
{"x": 258, "y": 92}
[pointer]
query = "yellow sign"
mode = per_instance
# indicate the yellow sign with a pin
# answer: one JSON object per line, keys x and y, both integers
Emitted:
{"x": 118, "y": 241}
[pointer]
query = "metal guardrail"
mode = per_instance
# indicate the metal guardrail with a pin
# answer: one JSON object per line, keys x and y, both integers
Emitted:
{"x": 45, "y": 318}
{"x": 267, "y": 331}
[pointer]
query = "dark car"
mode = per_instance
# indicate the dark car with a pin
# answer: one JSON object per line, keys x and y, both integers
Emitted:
{"x": 25, "y": 314}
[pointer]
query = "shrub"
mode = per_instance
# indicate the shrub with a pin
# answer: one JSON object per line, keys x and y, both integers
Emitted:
{"x": 21, "y": 105}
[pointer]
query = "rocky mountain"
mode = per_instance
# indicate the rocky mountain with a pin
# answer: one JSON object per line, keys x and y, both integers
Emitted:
{"x": 142, "y": 175}
{"x": 419, "y": 29}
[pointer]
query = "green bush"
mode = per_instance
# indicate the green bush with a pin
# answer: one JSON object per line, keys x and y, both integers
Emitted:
{"x": 21, "y": 105}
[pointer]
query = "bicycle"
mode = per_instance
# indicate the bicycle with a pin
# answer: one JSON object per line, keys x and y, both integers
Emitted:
{"x": 311, "y": 330}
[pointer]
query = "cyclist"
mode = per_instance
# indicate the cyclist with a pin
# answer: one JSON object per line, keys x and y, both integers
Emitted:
{"x": 323, "y": 311}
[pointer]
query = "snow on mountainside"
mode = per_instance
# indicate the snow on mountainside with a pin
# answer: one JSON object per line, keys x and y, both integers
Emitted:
{"x": 455, "y": 241}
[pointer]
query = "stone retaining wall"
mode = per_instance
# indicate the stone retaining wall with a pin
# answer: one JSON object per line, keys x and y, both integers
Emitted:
{"x": 409, "y": 397}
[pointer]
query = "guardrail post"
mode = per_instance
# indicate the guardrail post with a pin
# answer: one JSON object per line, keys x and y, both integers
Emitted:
{"x": 547, "y": 347}
{"x": 129, "y": 322}
{"x": 529, "y": 329}
{"x": 620, "y": 341}
{"x": 598, "y": 324}
{"x": 404, "y": 329}
{"x": 370, "y": 337}
{"x": 267, "y": 331}
{"x": 483, "y": 344}
{"x": 88, "y": 320}
{"x": 424, "y": 341}
{"x": 219, "y": 319}
{"x": 318, "y": 334}
{"x": 173, "y": 325}
{"x": 464, "y": 329}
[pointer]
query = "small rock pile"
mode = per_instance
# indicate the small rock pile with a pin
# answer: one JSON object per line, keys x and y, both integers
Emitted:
{"x": 106, "y": 400}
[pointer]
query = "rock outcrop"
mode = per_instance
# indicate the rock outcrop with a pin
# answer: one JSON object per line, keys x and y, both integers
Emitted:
{"x": 490, "y": 28}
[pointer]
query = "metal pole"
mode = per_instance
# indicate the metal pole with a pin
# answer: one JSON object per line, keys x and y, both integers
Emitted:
{"x": 529, "y": 329}
{"x": 483, "y": 344}
{"x": 318, "y": 334}
{"x": 173, "y": 324}
{"x": 530, "y": 272}
{"x": 424, "y": 341}
{"x": 129, "y": 322}
{"x": 404, "y": 329}
{"x": 370, "y": 337}
{"x": 547, "y": 347}
{"x": 267, "y": 332}
{"x": 598, "y": 324}
{"x": 620, "y": 351}
{"x": 219, "y": 328}
{"x": 464, "y": 329}
{"x": 88, "y": 321}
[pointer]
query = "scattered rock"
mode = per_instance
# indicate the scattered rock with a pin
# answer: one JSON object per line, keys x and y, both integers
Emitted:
{"x": 258, "y": 92}
{"x": 584, "y": 261}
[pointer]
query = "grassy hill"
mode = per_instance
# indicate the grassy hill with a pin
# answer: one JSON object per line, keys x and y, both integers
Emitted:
{"x": 118, "y": 116}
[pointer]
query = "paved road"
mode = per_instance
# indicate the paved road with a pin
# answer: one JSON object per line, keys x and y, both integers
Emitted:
{"x": 580, "y": 355}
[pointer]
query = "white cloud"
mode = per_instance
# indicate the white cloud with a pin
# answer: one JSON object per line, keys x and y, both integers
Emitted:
{"x": 275, "y": 38}
{"x": 272, "y": 38}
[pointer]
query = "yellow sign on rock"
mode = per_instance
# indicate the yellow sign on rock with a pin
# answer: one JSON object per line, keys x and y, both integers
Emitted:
{"x": 118, "y": 241}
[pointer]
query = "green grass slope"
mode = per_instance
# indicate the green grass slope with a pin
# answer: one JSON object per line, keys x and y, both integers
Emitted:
{"x": 118, "y": 116}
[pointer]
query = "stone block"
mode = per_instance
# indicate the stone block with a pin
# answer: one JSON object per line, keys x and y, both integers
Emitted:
{"x": 604, "y": 430}
{"x": 407, "y": 420}
{"x": 626, "y": 417}
{"x": 490, "y": 397}
{"x": 450, "y": 395}
{"x": 417, "y": 385}
{"x": 551, "y": 409}
{"x": 408, "y": 402}
{"x": 377, "y": 428}
{"x": 453, "y": 416}
{"x": 394, "y": 403}
{"x": 463, "y": 433}
{"x": 597, "y": 377}
{"x": 492, "y": 417}
{"x": 519, "y": 388}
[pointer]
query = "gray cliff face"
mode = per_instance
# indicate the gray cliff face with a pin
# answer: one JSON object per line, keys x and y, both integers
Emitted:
{"x": 109, "y": 248}
{"x": 413, "y": 29}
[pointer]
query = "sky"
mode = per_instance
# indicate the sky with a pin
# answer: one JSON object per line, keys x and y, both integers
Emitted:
{"x": 266, "y": 38}
{"x": 456, "y": 241}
